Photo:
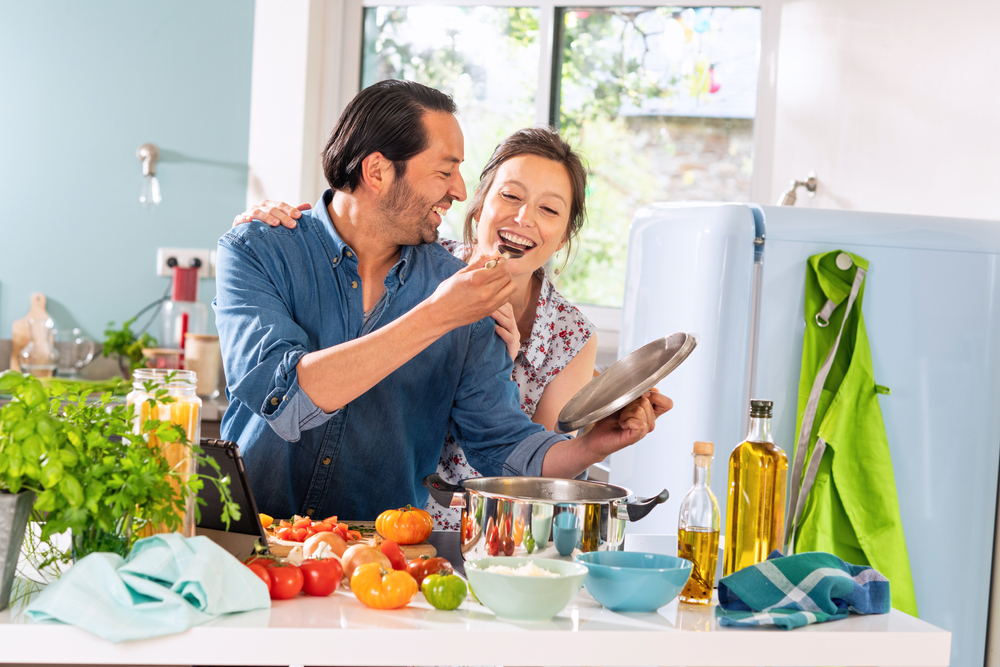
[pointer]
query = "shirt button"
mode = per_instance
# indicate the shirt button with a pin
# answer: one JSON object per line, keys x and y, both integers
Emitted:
{"x": 326, "y": 461}
{"x": 310, "y": 512}
{"x": 349, "y": 253}
{"x": 354, "y": 284}
{"x": 274, "y": 401}
{"x": 335, "y": 259}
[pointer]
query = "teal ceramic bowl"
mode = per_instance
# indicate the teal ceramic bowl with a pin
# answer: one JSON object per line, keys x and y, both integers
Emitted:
{"x": 525, "y": 598}
{"x": 634, "y": 581}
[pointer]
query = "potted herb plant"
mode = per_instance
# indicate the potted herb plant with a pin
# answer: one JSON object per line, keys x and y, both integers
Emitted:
{"x": 89, "y": 471}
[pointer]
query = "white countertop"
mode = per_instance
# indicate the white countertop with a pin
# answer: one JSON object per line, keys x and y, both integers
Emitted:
{"x": 340, "y": 630}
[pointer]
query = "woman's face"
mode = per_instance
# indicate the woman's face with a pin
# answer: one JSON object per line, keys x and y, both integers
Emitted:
{"x": 527, "y": 207}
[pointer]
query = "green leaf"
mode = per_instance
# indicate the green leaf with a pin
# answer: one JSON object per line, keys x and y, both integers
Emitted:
{"x": 72, "y": 489}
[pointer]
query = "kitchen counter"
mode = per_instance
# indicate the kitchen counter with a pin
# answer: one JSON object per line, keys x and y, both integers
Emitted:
{"x": 340, "y": 630}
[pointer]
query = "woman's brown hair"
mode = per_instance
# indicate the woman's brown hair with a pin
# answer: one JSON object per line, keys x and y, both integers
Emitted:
{"x": 543, "y": 142}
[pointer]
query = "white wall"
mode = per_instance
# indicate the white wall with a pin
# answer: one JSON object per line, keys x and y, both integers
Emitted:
{"x": 894, "y": 103}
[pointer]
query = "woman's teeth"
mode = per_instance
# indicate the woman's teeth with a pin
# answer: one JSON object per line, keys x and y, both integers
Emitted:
{"x": 517, "y": 241}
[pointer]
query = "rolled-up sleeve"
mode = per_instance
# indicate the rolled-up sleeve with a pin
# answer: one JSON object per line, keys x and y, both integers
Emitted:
{"x": 261, "y": 342}
{"x": 487, "y": 421}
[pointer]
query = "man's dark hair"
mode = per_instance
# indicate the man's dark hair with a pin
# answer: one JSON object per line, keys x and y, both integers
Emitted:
{"x": 386, "y": 118}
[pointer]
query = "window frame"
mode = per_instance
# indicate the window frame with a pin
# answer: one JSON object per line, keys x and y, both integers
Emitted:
{"x": 327, "y": 74}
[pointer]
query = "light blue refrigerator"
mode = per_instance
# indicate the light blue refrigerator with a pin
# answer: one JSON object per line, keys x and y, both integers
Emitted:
{"x": 735, "y": 275}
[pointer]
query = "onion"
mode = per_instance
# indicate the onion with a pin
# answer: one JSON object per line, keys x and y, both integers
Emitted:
{"x": 336, "y": 542}
{"x": 360, "y": 554}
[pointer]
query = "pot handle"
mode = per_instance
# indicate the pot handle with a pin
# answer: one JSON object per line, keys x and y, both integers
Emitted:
{"x": 642, "y": 507}
{"x": 445, "y": 493}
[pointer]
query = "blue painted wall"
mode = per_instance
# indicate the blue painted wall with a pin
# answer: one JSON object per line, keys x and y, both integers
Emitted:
{"x": 82, "y": 85}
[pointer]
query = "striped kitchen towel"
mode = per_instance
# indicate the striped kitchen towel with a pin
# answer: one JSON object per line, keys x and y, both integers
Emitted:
{"x": 792, "y": 591}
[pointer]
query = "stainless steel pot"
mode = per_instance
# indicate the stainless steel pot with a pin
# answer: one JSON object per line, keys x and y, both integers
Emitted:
{"x": 539, "y": 516}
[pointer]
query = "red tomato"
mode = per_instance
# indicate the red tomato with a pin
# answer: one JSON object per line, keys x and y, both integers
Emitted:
{"x": 395, "y": 555}
{"x": 302, "y": 523}
{"x": 286, "y": 581}
{"x": 322, "y": 527}
{"x": 261, "y": 572}
{"x": 284, "y": 524}
{"x": 299, "y": 534}
{"x": 321, "y": 576}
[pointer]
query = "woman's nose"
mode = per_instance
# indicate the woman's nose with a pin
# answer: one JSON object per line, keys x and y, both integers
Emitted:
{"x": 523, "y": 215}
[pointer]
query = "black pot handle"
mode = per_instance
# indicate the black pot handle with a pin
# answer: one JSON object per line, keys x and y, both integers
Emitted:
{"x": 443, "y": 492}
{"x": 642, "y": 507}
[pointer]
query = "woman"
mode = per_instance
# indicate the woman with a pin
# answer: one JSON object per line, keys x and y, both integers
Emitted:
{"x": 530, "y": 197}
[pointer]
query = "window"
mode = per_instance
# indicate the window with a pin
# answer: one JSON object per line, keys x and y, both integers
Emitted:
{"x": 660, "y": 100}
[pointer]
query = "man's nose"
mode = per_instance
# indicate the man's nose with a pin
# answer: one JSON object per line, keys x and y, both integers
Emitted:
{"x": 457, "y": 189}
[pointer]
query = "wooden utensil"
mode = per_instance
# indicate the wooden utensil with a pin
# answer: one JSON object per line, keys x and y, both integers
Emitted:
{"x": 510, "y": 252}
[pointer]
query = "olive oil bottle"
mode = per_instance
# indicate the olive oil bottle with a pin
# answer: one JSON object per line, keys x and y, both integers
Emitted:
{"x": 698, "y": 529}
{"x": 755, "y": 511}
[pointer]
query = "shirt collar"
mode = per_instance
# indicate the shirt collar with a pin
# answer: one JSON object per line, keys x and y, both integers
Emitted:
{"x": 322, "y": 214}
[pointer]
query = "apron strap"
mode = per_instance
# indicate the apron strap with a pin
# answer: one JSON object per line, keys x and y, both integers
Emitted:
{"x": 797, "y": 498}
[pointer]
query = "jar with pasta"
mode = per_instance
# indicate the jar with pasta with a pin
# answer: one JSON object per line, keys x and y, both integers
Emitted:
{"x": 184, "y": 411}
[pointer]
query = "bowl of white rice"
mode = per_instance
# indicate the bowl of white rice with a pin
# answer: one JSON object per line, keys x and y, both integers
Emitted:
{"x": 525, "y": 589}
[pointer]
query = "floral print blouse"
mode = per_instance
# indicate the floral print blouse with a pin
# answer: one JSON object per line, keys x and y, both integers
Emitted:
{"x": 559, "y": 332}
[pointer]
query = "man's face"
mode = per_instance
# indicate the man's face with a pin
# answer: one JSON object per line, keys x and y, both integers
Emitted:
{"x": 414, "y": 205}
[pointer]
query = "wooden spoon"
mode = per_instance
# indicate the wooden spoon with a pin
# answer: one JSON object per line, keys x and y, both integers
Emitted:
{"x": 510, "y": 252}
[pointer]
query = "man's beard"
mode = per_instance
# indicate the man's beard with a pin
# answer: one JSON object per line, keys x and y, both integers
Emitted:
{"x": 403, "y": 220}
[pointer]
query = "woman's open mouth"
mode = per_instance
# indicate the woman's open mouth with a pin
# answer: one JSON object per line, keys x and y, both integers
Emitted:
{"x": 515, "y": 241}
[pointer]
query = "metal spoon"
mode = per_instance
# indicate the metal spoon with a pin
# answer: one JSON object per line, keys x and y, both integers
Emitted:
{"x": 507, "y": 251}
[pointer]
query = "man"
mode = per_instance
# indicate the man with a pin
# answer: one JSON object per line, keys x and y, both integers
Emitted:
{"x": 352, "y": 342}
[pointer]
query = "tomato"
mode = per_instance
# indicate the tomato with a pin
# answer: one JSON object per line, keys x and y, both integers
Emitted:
{"x": 261, "y": 572}
{"x": 395, "y": 555}
{"x": 267, "y": 562}
{"x": 444, "y": 591}
{"x": 321, "y": 577}
{"x": 331, "y": 520}
{"x": 379, "y": 588}
{"x": 492, "y": 538}
{"x": 299, "y": 534}
{"x": 286, "y": 581}
{"x": 285, "y": 533}
{"x": 423, "y": 566}
{"x": 507, "y": 544}
{"x": 341, "y": 529}
{"x": 518, "y": 532}
{"x": 265, "y": 520}
{"x": 302, "y": 523}
{"x": 406, "y": 525}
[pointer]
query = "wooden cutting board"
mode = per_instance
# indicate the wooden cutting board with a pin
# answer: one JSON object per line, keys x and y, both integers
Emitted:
{"x": 21, "y": 334}
{"x": 281, "y": 548}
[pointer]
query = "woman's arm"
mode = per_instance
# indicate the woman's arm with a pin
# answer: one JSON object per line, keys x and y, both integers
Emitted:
{"x": 564, "y": 386}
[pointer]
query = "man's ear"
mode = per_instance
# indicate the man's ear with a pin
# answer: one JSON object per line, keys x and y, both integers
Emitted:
{"x": 376, "y": 173}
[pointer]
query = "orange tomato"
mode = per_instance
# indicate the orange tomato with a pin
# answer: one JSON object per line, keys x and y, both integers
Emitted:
{"x": 406, "y": 525}
{"x": 518, "y": 532}
{"x": 265, "y": 520}
{"x": 380, "y": 588}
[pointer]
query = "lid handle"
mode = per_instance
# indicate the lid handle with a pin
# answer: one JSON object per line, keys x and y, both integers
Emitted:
{"x": 640, "y": 508}
{"x": 445, "y": 493}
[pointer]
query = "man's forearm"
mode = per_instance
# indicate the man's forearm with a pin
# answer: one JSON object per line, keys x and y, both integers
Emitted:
{"x": 334, "y": 377}
{"x": 568, "y": 458}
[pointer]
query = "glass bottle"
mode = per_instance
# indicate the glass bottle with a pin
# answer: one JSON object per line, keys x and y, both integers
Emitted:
{"x": 755, "y": 511}
{"x": 698, "y": 529}
{"x": 185, "y": 411}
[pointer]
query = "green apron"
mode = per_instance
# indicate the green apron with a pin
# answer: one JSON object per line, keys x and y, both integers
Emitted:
{"x": 843, "y": 496}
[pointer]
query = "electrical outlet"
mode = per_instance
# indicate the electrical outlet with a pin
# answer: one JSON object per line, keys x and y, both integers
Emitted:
{"x": 185, "y": 257}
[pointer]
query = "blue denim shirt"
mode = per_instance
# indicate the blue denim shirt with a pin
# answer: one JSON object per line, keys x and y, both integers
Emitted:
{"x": 282, "y": 293}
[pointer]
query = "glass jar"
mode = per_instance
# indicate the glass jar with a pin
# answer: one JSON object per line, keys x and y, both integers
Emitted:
{"x": 185, "y": 411}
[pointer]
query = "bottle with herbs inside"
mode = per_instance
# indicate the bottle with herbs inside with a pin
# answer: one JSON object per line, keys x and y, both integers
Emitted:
{"x": 755, "y": 511}
{"x": 698, "y": 529}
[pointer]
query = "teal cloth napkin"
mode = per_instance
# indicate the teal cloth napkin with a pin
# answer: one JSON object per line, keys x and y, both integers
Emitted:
{"x": 792, "y": 591}
{"x": 167, "y": 584}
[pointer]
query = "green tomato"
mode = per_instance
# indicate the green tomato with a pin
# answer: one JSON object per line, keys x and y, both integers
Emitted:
{"x": 444, "y": 591}
{"x": 529, "y": 543}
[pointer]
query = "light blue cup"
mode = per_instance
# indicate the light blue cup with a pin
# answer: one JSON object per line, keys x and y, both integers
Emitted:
{"x": 567, "y": 530}
{"x": 634, "y": 581}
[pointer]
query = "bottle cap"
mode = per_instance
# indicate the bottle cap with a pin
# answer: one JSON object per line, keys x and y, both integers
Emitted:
{"x": 759, "y": 408}
{"x": 703, "y": 447}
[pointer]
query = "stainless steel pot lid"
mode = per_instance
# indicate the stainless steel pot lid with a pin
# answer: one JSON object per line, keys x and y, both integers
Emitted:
{"x": 626, "y": 380}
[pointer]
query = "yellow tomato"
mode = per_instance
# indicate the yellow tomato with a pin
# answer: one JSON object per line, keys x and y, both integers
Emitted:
{"x": 406, "y": 525}
{"x": 380, "y": 588}
{"x": 265, "y": 520}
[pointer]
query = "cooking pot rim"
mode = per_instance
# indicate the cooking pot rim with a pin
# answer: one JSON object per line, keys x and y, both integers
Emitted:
{"x": 471, "y": 484}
